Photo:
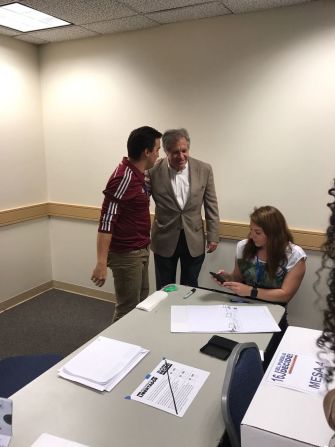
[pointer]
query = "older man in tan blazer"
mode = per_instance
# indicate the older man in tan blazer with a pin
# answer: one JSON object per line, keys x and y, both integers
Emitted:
{"x": 180, "y": 186}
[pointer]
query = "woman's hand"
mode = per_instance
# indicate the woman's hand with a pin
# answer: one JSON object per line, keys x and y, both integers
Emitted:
{"x": 224, "y": 277}
{"x": 238, "y": 288}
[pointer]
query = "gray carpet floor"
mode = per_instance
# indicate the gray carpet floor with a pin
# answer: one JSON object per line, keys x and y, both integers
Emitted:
{"x": 53, "y": 322}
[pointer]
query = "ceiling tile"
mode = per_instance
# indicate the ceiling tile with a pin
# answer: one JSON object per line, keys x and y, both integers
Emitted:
{"x": 63, "y": 33}
{"x": 190, "y": 13}
{"x": 143, "y": 6}
{"x": 119, "y": 25}
{"x": 111, "y": 16}
{"x": 26, "y": 37}
{"x": 80, "y": 11}
{"x": 8, "y": 31}
{"x": 239, "y": 6}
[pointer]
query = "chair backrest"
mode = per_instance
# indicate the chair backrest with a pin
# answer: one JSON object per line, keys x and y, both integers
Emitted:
{"x": 243, "y": 375}
{"x": 18, "y": 371}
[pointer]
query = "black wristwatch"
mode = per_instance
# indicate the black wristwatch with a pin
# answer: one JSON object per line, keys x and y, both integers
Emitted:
{"x": 254, "y": 292}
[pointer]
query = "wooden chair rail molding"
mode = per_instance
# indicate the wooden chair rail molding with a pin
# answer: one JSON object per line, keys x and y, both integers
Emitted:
{"x": 310, "y": 240}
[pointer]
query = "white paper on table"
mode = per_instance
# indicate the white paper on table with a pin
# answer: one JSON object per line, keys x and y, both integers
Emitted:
{"x": 46, "y": 440}
{"x": 103, "y": 363}
{"x": 111, "y": 383}
{"x": 155, "y": 391}
{"x": 152, "y": 300}
{"x": 222, "y": 318}
{"x": 300, "y": 372}
{"x": 102, "y": 359}
{"x": 5, "y": 440}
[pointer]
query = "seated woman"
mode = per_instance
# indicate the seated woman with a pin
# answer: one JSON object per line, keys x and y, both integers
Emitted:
{"x": 327, "y": 339}
{"x": 268, "y": 265}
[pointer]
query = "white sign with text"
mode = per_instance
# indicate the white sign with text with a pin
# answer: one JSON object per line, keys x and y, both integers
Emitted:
{"x": 299, "y": 372}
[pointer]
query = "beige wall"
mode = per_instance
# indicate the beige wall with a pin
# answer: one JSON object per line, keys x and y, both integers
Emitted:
{"x": 25, "y": 248}
{"x": 255, "y": 91}
{"x": 25, "y": 260}
{"x": 22, "y": 161}
{"x": 73, "y": 252}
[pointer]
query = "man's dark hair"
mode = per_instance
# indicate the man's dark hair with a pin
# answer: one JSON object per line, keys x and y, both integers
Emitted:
{"x": 141, "y": 139}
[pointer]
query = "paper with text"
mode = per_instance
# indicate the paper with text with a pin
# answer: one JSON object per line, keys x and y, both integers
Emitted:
{"x": 300, "y": 372}
{"x": 155, "y": 391}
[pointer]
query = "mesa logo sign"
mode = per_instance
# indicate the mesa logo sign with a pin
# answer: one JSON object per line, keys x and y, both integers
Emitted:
{"x": 298, "y": 371}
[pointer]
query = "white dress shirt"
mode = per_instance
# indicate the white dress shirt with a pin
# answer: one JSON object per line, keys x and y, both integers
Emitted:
{"x": 180, "y": 182}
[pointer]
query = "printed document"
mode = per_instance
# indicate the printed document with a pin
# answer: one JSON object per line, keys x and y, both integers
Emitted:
{"x": 300, "y": 372}
{"x": 222, "y": 318}
{"x": 185, "y": 382}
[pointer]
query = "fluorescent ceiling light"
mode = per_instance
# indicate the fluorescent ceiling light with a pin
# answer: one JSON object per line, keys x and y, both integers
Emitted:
{"x": 22, "y": 18}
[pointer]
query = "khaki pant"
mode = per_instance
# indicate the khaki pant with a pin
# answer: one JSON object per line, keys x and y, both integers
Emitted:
{"x": 131, "y": 281}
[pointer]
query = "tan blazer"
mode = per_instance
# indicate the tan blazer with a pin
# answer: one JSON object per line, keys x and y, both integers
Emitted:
{"x": 170, "y": 218}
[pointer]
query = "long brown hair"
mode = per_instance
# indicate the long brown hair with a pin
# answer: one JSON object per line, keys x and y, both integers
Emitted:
{"x": 274, "y": 225}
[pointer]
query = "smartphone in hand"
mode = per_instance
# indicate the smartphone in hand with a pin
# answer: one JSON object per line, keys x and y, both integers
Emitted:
{"x": 218, "y": 276}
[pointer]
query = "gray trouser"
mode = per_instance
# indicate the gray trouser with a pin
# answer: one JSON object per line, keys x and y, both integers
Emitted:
{"x": 131, "y": 281}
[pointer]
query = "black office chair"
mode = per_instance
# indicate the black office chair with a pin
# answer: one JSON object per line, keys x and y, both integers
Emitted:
{"x": 243, "y": 375}
{"x": 18, "y": 371}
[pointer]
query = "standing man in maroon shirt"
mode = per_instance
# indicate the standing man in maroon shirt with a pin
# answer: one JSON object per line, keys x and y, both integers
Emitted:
{"x": 124, "y": 228}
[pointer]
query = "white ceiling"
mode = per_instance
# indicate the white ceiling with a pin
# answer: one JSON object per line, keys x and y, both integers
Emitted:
{"x": 96, "y": 17}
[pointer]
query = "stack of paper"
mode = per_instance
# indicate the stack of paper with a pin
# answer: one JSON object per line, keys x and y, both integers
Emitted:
{"x": 103, "y": 363}
{"x": 151, "y": 302}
